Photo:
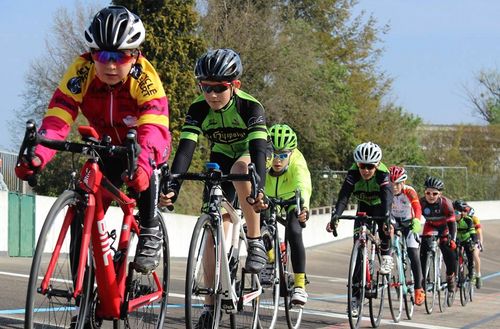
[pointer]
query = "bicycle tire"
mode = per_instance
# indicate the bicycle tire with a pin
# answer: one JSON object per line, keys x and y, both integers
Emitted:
{"x": 61, "y": 307}
{"x": 247, "y": 315}
{"x": 376, "y": 291}
{"x": 431, "y": 283}
{"x": 293, "y": 313}
{"x": 395, "y": 286}
{"x": 409, "y": 290}
{"x": 270, "y": 281}
{"x": 151, "y": 315}
{"x": 355, "y": 321}
{"x": 197, "y": 287}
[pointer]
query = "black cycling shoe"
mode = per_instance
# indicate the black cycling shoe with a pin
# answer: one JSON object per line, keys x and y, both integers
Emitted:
{"x": 147, "y": 255}
{"x": 257, "y": 256}
{"x": 205, "y": 320}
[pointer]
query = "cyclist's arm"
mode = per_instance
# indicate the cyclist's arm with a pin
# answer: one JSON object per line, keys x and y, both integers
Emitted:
{"x": 63, "y": 107}
{"x": 345, "y": 193}
{"x": 301, "y": 175}
{"x": 449, "y": 213}
{"x": 252, "y": 113}
{"x": 153, "y": 123}
{"x": 385, "y": 192}
{"x": 412, "y": 195}
{"x": 477, "y": 226}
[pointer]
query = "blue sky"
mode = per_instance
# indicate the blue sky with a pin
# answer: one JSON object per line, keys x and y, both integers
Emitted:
{"x": 432, "y": 50}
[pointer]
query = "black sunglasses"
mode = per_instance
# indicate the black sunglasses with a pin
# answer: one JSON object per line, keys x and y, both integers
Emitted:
{"x": 218, "y": 88}
{"x": 432, "y": 193}
{"x": 368, "y": 166}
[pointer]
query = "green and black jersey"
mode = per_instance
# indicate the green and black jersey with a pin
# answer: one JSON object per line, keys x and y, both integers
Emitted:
{"x": 236, "y": 130}
{"x": 376, "y": 191}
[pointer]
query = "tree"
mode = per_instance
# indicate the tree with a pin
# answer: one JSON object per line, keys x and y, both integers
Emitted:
{"x": 486, "y": 101}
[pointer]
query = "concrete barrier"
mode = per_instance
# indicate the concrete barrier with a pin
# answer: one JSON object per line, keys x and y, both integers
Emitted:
{"x": 180, "y": 227}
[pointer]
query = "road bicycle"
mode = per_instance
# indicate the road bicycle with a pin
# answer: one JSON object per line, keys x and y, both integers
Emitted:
{"x": 464, "y": 277}
{"x": 277, "y": 278}
{"x": 214, "y": 269}
{"x": 78, "y": 276}
{"x": 365, "y": 282}
{"x": 401, "y": 282}
{"x": 436, "y": 287}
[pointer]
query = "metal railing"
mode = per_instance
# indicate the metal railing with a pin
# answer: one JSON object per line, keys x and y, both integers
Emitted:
{"x": 13, "y": 183}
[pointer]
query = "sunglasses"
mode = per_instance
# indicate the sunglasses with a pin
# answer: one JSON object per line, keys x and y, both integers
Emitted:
{"x": 119, "y": 57}
{"x": 368, "y": 166}
{"x": 218, "y": 88}
{"x": 431, "y": 193}
{"x": 281, "y": 156}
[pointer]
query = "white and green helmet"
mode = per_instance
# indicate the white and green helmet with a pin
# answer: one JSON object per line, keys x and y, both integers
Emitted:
{"x": 283, "y": 137}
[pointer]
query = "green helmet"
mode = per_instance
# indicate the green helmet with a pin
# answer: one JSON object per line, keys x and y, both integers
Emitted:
{"x": 283, "y": 137}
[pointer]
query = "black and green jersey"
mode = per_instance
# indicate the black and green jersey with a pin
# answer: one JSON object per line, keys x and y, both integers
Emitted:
{"x": 376, "y": 191}
{"x": 465, "y": 227}
{"x": 237, "y": 129}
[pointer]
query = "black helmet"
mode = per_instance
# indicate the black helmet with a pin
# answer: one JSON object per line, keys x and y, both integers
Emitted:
{"x": 433, "y": 182}
{"x": 114, "y": 28}
{"x": 219, "y": 65}
{"x": 460, "y": 205}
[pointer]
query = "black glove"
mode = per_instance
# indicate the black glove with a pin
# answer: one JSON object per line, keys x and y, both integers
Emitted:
{"x": 334, "y": 222}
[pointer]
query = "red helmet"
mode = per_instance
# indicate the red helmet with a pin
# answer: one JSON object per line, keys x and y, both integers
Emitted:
{"x": 398, "y": 174}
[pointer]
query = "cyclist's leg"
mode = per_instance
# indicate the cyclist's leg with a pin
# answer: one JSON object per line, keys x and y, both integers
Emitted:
{"x": 385, "y": 241}
{"x": 413, "y": 244}
{"x": 257, "y": 256}
{"x": 470, "y": 248}
{"x": 449, "y": 257}
{"x": 298, "y": 256}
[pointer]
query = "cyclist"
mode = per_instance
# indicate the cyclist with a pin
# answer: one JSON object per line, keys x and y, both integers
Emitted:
{"x": 288, "y": 173}
{"x": 116, "y": 89}
{"x": 368, "y": 179}
{"x": 466, "y": 232}
{"x": 407, "y": 214}
{"x": 479, "y": 244}
{"x": 440, "y": 220}
{"x": 235, "y": 124}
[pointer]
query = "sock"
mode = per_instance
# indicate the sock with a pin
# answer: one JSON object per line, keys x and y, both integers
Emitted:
{"x": 300, "y": 280}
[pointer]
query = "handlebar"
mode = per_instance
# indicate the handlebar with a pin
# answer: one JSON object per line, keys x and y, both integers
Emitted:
{"x": 213, "y": 176}
{"x": 296, "y": 200}
{"x": 363, "y": 217}
{"x": 89, "y": 147}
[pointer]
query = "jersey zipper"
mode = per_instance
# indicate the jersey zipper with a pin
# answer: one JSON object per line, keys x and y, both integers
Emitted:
{"x": 111, "y": 105}
{"x": 224, "y": 126}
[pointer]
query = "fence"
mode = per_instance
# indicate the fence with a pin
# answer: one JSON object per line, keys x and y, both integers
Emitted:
{"x": 13, "y": 183}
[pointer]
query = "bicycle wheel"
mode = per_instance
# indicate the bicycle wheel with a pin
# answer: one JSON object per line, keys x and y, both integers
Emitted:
{"x": 56, "y": 307}
{"x": 245, "y": 285}
{"x": 293, "y": 312}
{"x": 270, "y": 282}
{"x": 395, "y": 287}
{"x": 201, "y": 278}
{"x": 152, "y": 314}
{"x": 431, "y": 283}
{"x": 375, "y": 289}
{"x": 356, "y": 285}
{"x": 409, "y": 287}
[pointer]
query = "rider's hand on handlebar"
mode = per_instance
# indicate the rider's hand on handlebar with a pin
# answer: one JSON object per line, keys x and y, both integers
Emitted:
{"x": 259, "y": 203}
{"x": 333, "y": 224}
{"x": 140, "y": 180}
{"x": 167, "y": 200}
{"x": 304, "y": 215}
{"x": 452, "y": 244}
{"x": 25, "y": 170}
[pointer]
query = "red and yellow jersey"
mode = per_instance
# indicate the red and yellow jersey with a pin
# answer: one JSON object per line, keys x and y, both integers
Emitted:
{"x": 406, "y": 205}
{"x": 139, "y": 102}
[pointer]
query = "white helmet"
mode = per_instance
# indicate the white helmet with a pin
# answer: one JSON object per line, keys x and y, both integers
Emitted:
{"x": 115, "y": 28}
{"x": 367, "y": 153}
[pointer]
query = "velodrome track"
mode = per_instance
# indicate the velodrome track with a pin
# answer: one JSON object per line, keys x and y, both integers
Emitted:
{"x": 327, "y": 269}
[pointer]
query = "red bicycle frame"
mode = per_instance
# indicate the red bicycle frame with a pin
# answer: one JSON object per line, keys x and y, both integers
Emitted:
{"x": 110, "y": 275}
